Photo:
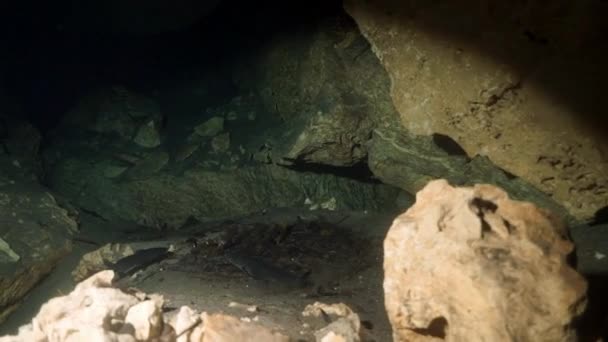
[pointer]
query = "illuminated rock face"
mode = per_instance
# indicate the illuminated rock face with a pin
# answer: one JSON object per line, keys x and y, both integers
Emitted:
{"x": 508, "y": 81}
{"x": 469, "y": 264}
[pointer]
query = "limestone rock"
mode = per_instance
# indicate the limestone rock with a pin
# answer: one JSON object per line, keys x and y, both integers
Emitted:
{"x": 34, "y": 235}
{"x": 186, "y": 150}
{"x": 470, "y": 264}
{"x": 336, "y": 138}
{"x": 158, "y": 198}
{"x": 117, "y": 111}
{"x": 407, "y": 161}
{"x": 326, "y": 87}
{"x": 147, "y": 167}
{"x": 96, "y": 310}
{"x": 97, "y": 260}
{"x": 8, "y": 254}
{"x": 334, "y": 97}
{"x": 345, "y": 328}
{"x": 224, "y": 328}
{"x": 147, "y": 135}
{"x": 92, "y": 311}
{"x": 221, "y": 143}
{"x": 211, "y": 127}
{"x": 464, "y": 70}
{"x": 156, "y": 191}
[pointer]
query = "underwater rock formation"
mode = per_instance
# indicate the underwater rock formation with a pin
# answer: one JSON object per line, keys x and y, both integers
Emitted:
{"x": 98, "y": 310}
{"x": 217, "y": 169}
{"x": 503, "y": 81}
{"x": 469, "y": 264}
{"x": 34, "y": 235}
{"x": 334, "y": 97}
{"x": 118, "y": 111}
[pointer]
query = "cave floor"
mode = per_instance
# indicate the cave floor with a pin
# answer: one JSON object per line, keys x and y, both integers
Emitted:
{"x": 285, "y": 260}
{"x": 267, "y": 267}
{"x": 321, "y": 256}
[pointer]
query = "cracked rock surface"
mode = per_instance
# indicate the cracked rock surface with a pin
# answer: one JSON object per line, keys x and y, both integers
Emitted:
{"x": 465, "y": 70}
{"x": 471, "y": 264}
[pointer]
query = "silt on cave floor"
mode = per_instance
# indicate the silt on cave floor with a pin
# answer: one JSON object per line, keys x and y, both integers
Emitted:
{"x": 294, "y": 258}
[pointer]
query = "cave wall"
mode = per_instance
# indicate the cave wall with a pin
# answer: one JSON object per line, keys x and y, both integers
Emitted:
{"x": 518, "y": 83}
{"x": 334, "y": 96}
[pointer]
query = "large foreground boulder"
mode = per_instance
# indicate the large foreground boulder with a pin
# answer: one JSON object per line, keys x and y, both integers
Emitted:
{"x": 469, "y": 264}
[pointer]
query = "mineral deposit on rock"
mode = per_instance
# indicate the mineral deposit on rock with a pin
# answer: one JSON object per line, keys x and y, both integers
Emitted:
{"x": 470, "y": 264}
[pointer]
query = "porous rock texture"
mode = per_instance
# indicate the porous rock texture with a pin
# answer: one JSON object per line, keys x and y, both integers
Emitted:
{"x": 516, "y": 82}
{"x": 469, "y": 264}
{"x": 98, "y": 310}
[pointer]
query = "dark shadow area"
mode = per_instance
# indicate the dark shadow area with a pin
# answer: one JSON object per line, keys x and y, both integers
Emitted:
{"x": 48, "y": 67}
{"x": 359, "y": 171}
{"x": 600, "y": 217}
{"x": 437, "y": 328}
{"x": 449, "y": 145}
{"x": 593, "y": 325}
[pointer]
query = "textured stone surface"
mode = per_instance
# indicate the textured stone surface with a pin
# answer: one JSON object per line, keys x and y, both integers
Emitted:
{"x": 116, "y": 110}
{"x": 334, "y": 96}
{"x": 502, "y": 80}
{"x": 147, "y": 135}
{"x": 36, "y": 230}
{"x": 409, "y": 162}
{"x": 471, "y": 264}
{"x": 97, "y": 310}
{"x": 169, "y": 200}
{"x": 204, "y": 178}
{"x": 328, "y": 89}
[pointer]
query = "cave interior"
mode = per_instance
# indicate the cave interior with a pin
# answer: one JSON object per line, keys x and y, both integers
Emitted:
{"x": 263, "y": 140}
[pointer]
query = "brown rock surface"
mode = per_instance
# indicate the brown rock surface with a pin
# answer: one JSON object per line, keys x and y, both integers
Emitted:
{"x": 469, "y": 264}
{"x": 504, "y": 81}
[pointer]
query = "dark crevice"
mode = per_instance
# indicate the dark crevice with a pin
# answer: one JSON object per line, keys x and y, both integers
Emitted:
{"x": 535, "y": 38}
{"x": 359, "y": 171}
{"x": 508, "y": 174}
{"x": 485, "y": 227}
{"x": 437, "y": 328}
{"x": 601, "y": 216}
{"x": 94, "y": 213}
{"x": 449, "y": 145}
{"x": 510, "y": 227}
{"x": 593, "y": 324}
{"x": 481, "y": 207}
{"x": 484, "y": 205}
